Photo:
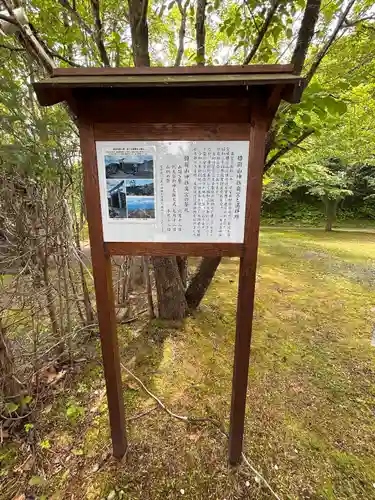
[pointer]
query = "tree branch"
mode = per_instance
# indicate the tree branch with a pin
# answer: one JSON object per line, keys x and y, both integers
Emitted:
{"x": 72, "y": 11}
{"x": 323, "y": 51}
{"x": 305, "y": 34}
{"x": 181, "y": 34}
{"x": 51, "y": 52}
{"x": 200, "y": 31}
{"x": 287, "y": 148}
{"x": 99, "y": 32}
{"x": 8, "y": 19}
{"x": 28, "y": 40}
{"x": 262, "y": 31}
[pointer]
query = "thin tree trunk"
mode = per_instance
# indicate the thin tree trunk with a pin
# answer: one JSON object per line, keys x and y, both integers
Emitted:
{"x": 75, "y": 293}
{"x": 10, "y": 386}
{"x": 331, "y": 211}
{"x": 149, "y": 288}
{"x": 201, "y": 281}
{"x": 181, "y": 33}
{"x": 200, "y": 31}
{"x": 98, "y": 34}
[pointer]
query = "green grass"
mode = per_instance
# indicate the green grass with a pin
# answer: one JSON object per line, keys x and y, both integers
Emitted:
{"x": 311, "y": 397}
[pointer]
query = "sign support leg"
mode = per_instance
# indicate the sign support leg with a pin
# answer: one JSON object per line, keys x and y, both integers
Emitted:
{"x": 246, "y": 289}
{"x": 101, "y": 264}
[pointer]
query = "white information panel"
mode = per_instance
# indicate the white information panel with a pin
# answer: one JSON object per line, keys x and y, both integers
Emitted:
{"x": 173, "y": 191}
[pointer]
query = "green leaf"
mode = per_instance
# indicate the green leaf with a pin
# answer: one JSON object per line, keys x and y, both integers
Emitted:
{"x": 12, "y": 407}
{"x": 116, "y": 36}
{"x": 77, "y": 451}
{"x": 28, "y": 427}
{"x": 306, "y": 118}
{"x": 230, "y": 29}
{"x": 36, "y": 481}
{"x": 26, "y": 400}
{"x": 45, "y": 444}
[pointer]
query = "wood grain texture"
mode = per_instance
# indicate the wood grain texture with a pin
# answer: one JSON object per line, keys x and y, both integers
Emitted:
{"x": 177, "y": 132}
{"x": 193, "y": 70}
{"x": 246, "y": 284}
{"x": 173, "y": 249}
{"x": 164, "y": 110}
{"x": 101, "y": 264}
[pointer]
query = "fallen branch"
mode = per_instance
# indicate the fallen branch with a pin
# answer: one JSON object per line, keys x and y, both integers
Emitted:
{"x": 188, "y": 419}
{"x": 144, "y": 413}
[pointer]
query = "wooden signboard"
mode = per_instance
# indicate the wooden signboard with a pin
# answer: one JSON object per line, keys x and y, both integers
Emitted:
{"x": 173, "y": 161}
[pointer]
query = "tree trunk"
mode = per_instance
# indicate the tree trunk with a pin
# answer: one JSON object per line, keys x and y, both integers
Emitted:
{"x": 170, "y": 291}
{"x": 182, "y": 263}
{"x": 331, "y": 210}
{"x": 201, "y": 281}
{"x": 305, "y": 34}
{"x": 139, "y": 31}
{"x": 200, "y": 31}
{"x": 149, "y": 287}
{"x": 10, "y": 386}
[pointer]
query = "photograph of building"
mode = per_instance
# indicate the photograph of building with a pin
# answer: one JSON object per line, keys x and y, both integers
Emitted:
{"x": 129, "y": 167}
{"x": 141, "y": 207}
{"x": 116, "y": 196}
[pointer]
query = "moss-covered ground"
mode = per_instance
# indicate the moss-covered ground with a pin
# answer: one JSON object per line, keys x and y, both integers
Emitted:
{"x": 311, "y": 400}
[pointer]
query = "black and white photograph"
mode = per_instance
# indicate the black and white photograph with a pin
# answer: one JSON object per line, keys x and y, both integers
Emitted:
{"x": 129, "y": 167}
{"x": 116, "y": 196}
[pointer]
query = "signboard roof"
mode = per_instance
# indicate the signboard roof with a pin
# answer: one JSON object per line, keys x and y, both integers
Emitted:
{"x": 64, "y": 80}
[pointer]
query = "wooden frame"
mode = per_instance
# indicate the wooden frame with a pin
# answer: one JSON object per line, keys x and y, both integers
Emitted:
{"x": 200, "y": 103}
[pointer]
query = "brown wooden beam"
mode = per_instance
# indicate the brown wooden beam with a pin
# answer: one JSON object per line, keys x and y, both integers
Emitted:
{"x": 246, "y": 286}
{"x": 101, "y": 264}
{"x": 172, "y": 249}
{"x": 191, "y": 70}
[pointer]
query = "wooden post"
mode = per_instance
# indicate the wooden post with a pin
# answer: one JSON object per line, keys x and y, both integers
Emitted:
{"x": 246, "y": 286}
{"x": 101, "y": 264}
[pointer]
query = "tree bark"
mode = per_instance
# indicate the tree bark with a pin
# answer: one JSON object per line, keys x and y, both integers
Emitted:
{"x": 200, "y": 31}
{"x": 323, "y": 51}
{"x": 201, "y": 281}
{"x": 305, "y": 34}
{"x": 181, "y": 33}
{"x": 10, "y": 386}
{"x": 182, "y": 263}
{"x": 98, "y": 34}
{"x": 170, "y": 291}
{"x": 331, "y": 211}
{"x": 139, "y": 31}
